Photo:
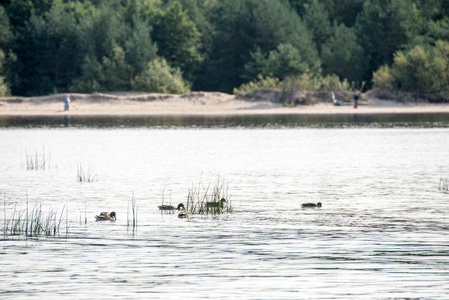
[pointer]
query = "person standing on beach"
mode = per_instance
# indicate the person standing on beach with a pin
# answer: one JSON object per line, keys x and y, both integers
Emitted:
{"x": 66, "y": 102}
{"x": 356, "y": 99}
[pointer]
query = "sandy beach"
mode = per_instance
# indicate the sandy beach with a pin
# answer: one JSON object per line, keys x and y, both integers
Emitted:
{"x": 195, "y": 103}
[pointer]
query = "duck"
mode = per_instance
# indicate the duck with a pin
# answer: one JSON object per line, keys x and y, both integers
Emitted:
{"x": 216, "y": 204}
{"x": 170, "y": 207}
{"x": 183, "y": 215}
{"x": 311, "y": 205}
{"x": 106, "y": 216}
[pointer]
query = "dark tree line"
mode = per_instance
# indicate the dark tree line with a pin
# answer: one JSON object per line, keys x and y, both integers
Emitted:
{"x": 173, "y": 46}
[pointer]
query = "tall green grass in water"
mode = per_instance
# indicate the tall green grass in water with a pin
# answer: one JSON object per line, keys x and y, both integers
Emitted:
{"x": 84, "y": 175}
{"x": 207, "y": 199}
{"x": 33, "y": 223}
{"x": 37, "y": 161}
{"x": 132, "y": 222}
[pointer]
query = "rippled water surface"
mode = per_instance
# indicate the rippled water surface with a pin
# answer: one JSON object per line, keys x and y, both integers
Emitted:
{"x": 382, "y": 233}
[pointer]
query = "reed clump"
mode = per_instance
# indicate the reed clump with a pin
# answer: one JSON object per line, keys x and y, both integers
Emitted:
{"x": 84, "y": 175}
{"x": 132, "y": 222}
{"x": 444, "y": 185}
{"x": 33, "y": 223}
{"x": 37, "y": 161}
{"x": 212, "y": 198}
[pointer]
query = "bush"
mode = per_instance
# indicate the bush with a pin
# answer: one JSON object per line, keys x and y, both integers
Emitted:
{"x": 383, "y": 79}
{"x": 258, "y": 84}
{"x": 420, "y": 70}
{"x": 159, "y": 77}
{"x": 3, "y": 85}
{"x": 331, "y": 83}
{"x": 414, "y": 71}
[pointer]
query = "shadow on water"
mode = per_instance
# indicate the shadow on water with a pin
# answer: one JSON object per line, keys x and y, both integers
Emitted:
{"x": 433, "y": 120}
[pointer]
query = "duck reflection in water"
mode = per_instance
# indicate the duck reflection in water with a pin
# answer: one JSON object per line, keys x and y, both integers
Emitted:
{"x": 106, "y": 216}
{"x": 183, "y": 215}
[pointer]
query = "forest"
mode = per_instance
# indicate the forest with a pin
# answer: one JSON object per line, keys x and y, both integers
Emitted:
{"x": 176, "y": 46}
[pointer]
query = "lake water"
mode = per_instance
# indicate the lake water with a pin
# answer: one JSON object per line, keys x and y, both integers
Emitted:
{"x": 382, "y": 233}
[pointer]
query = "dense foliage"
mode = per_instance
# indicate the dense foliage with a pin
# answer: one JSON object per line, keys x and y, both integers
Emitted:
{"x": 172, "y": 46}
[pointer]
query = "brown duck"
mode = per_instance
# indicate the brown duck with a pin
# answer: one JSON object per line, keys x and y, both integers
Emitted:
{"x": 106, "y": 216}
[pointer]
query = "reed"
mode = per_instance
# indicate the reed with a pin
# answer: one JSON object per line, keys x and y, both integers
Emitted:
{"x": 34, "y": 223}
{"x": 84, "y": 175}
{"x": 134, "y": 209}
{"x": 207, "y": 199}
{"x": 444, "y": 185}
{"x": 85, "y": 217}
{"x": 37, "y": 161}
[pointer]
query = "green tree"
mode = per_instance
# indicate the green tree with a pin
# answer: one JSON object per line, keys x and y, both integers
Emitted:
{"x": 201, "y": 13}
{"x": 381, "y": 29}
{"x": 342, "y": 55}
{"x": 286, "y": 61}
{"x": 243, "y": 27}
{"x": 414, "y": 71}
{"x": 91, "y": 78}
{"x": 441, "y": 62}
{"x": 139, "y": 46}
{"x": 19, "y": 11}
{"x": 49, "y": 53}
{"x": 107, "y": 65}
{"x": 159, "y": 77}
{"x": 274, "y": 23}
{"x": 117, "y": 73}
{"x": 177, "y": 39}
{"x": 423, "y": 70}
{"x": 3, "y": 86}
{"x": 316, "y": 18}
{"x": 6, "y": 35}
{"x": 428, "y": 22}
{"x": 257, "y": 66}
{"x": 383, "y": 79}
{"x": 104, "y": 29}
{"x": 344, "y": 11}
{"x": 229, "y": 52}
{"x": 5, "y": 40}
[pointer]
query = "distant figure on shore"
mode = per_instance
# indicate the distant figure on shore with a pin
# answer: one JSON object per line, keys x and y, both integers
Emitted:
{"x": 337, "y": 102}
{"x": 356, "y": 99}
{"x": 66, "y": 102}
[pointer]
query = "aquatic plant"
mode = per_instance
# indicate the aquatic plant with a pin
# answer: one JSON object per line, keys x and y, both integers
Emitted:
{"x": 86, "y": 175}
{"x": 33, "y": 223}
{"x": 134, "y": 208}
{"x": 85, "y": 217}
{"x": 210, "y": 199}
{"x": 444, "y": 185}
{"x": 37, "y": 161}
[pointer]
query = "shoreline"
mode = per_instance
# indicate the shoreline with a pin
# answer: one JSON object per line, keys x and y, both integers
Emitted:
{"x": 196, "y": 103}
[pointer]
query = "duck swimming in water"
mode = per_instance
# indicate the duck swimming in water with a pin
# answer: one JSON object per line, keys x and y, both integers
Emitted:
{"x": 183, "y": 215}
{"x": 170, "y": 207}
{"x": 105, "y": 216}
{"x": 311, "y": 205}
{"x": 216, "y": 204}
